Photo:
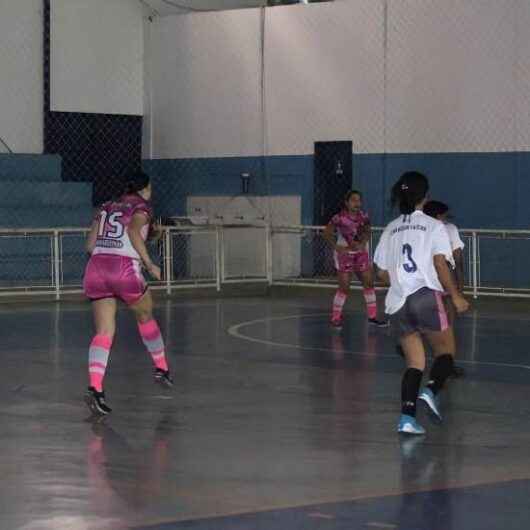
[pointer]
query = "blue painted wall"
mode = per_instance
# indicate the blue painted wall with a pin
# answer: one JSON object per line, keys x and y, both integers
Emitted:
{"x": 34, "y": 195}
{"x": 174, "y": 180}
{"x": 485, "y": 190}
{"x": 30, "y": 167}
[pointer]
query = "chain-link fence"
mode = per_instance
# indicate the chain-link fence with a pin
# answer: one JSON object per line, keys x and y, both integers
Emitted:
{"x": 268, "y": 116}
{"x": 296, "y": 103}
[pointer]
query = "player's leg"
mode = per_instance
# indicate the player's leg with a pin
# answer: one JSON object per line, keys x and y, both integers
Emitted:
{"x": 104, "y": 314}
{"x": 104, "y": 311}
{"x": 458, "y": 371}
{"x": 152, "y": 337}
{"x": 412, "y": 345}
{"x": 344, "y": 280}
{"x": 365, "y": 273}
{"x": 435, "y": 323}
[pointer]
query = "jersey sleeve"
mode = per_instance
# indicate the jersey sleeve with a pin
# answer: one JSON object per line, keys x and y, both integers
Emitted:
{"x": 145, "y": 209}
{"x": 381, "y": 252}
{"x": 441, "y": 244}
{"x": 335, "y": 221}
{"x": 454, "y": 237}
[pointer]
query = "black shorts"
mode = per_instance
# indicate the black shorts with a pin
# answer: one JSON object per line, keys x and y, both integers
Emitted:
{"x": 423, "y": 311}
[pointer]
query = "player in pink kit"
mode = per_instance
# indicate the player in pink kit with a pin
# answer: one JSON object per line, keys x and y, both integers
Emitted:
{"x": 116, "y": 243}
{"x": 348, "y": 233}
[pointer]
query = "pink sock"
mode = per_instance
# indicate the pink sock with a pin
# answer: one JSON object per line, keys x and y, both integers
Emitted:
{"x": 98, "y": 356}
{"x": 152, "y": 338}
{"x": 371, "y": 302}
{"x": 338, "y": 304}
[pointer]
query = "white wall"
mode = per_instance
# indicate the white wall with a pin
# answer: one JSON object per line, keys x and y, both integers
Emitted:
{"x": 205, "y": 78}
{"x": 97, "y": 56}
{"x": 451, "y": 79}
{"x": 21, "y": 76}
{"x": 439, "y": 76}
{"x": 324, "y": 74}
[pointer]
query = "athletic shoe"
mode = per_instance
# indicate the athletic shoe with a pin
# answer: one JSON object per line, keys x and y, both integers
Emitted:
{"x": 96, "y": 402}
{"x": 408, "y": 425}
{"x": 163, "y": 378}
{"x": 427, "y": 396}
{"x": 379, "y": 323}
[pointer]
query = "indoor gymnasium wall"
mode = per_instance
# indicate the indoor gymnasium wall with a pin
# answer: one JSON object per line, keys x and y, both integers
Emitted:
{"x": 206, "y": 126}
{"x": 431, "y": 85}
{"x": 205, "y": 85}
{"x": 457, "y": 100}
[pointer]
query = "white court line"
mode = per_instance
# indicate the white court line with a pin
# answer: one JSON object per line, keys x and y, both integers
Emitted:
{"x": 234, "y": 331}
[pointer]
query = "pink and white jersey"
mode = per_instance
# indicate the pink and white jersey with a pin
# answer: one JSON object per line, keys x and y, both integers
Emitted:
{"x": 349, "y": 225}
{"x": 114, "y": 218}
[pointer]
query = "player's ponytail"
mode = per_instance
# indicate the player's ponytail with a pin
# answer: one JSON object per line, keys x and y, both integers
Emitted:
{"x": 409, "y": 191}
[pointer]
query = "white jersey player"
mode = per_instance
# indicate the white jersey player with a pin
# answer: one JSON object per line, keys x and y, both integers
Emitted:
{"x": 439, "y": 210}
{"x": 412, "y": 257}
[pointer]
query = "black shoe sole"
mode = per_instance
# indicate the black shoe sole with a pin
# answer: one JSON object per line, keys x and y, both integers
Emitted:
{"x": 164, "y": 382}
{"x": 379, "y": 324}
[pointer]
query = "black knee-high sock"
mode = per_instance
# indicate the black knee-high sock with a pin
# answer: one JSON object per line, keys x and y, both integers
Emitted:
{"x": 442, "y": 368}
{"x": 410, "y": 387}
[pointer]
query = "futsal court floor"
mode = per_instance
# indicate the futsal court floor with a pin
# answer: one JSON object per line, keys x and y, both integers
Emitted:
{"x": 275, "y": 422}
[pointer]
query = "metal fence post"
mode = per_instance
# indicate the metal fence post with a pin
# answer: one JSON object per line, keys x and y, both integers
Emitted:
{"x": 56, "y": 264}
{"x": 218, "y": 259}
{"x": 475, "y": 266}
{"x": 268, "y": 253}
{"x": 167, "y": 259}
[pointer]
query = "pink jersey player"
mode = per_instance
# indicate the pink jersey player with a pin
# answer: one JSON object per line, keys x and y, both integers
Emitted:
{"x": 348, "y": 233}
{"x": 114, "y": 270}
{"x": 349, "y": 228}
{"x": 114, "y": 217}
{"x": 116, "y": 243}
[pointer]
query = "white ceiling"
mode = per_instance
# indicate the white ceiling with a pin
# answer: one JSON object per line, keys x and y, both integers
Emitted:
{"x": 172, "y": 7}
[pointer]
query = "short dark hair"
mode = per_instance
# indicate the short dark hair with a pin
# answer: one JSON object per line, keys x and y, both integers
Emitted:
{"x": 350, "y": 193}
{"x": 409, "y": 191}
{"x": 435, "y": 208}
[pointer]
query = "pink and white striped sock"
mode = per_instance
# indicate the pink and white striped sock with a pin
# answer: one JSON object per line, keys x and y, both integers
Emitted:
{"x": 371, "y": 302}
{"x": 152, "y": 338}
{"x": 98, "y": 357}
{"x": 338, "y": 304}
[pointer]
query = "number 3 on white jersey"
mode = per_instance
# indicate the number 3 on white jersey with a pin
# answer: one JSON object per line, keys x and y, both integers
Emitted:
{"x": 410, "y": 266}
{"x": 113, "y": 220}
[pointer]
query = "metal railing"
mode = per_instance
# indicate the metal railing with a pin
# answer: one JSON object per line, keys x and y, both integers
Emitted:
{"x": 52, "y": 261}
{"x": 497, "y": 262}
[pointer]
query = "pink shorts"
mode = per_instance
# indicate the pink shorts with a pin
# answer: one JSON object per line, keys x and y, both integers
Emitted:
{"x": 112, "y": 276}
{"x": 351, "y": 261}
